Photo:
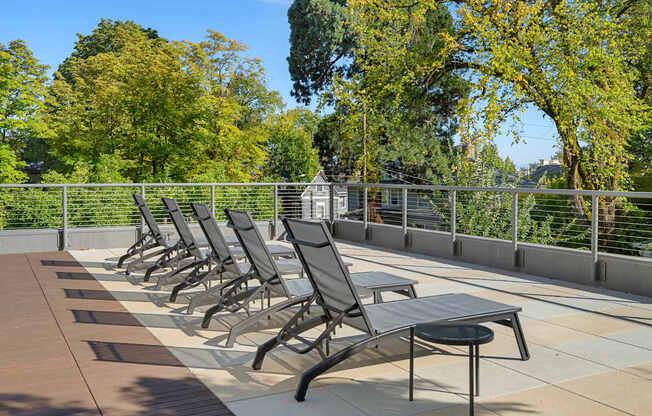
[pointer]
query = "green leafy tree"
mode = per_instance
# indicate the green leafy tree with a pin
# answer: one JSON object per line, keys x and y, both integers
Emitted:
{"x": 10, "y": 166}
{"x": 22, "y": 86}
{"x": 290, "y": 147}
{"x": 389, "y": 107}
{"x": 572, "y": 61}
{"x": 107, "y": 37}
{"x": 165, "y": 110}
{"x": 487, "y": 214}
{"x": 322, "y": 41}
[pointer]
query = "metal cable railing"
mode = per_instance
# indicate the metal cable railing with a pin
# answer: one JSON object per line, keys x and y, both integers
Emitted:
{"x": 596, "y": 221}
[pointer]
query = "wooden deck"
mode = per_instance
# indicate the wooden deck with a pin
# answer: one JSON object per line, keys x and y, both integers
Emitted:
{"x": 59, "y": 359}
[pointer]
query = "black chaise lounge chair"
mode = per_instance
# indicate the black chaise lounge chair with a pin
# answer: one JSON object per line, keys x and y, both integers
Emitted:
{"x": 338, "y": 298}
{"x": 226, "y": 269}
{"x": 151, "y": 240}
{"x": 226, "y": 257}
{"x": 269, "y": 274}
{"x": 191, "y": 256}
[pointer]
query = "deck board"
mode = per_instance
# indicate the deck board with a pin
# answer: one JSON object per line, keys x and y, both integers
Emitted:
{"x": 50, "y": 350}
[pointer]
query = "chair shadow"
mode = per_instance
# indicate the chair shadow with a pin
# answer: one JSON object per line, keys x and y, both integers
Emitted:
{"x": 27, "y": 404}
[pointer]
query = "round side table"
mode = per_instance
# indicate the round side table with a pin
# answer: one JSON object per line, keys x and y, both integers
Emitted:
{"x": 454, "y": 334}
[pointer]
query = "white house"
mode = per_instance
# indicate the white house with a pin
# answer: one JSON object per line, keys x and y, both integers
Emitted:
{"x": 315, "y": 199}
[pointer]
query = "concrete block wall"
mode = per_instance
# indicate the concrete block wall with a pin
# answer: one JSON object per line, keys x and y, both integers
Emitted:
{"x": 621, "y": 273}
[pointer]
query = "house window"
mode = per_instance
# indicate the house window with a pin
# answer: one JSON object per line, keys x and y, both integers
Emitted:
{"x": 342, "y": 203}
{"x": 321, "y": 210}
{"x": 393, "y": 197}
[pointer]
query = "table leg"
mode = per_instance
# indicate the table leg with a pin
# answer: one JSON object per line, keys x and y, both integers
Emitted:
{"x": 477, "y": 370}
{"x": 471, "y": 380}
{"x": 411, "y": 363}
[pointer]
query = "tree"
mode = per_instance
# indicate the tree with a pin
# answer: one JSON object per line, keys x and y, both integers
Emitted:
{"x": 22, "y": 86}
{"x": 576, "y": 61}
{"x": 386, "y": 104}
{"x": 322, "y": 40}
{"x": 487, "y": 214}
{"x": 105, "y": 38}
{"x": 571, "y": 60}
{"x": 290, "y": 152}
{"x": 509, "y": 165}
{"x": 163, "y": 110}
{"x": 10, "y": 166}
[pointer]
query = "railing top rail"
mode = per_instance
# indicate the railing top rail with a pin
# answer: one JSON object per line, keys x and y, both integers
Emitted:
{"x": 615, "y": 194}
{"x": 172, "y": 184}
{"x": 508, "y": 190}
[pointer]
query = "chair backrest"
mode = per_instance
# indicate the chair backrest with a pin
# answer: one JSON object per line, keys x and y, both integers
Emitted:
{"x": 149, "y": 218}
{"x": 324, "y": 267}
{"x": 180, "y": 224}
{"x": 214, "y": 237}
{"x": 255, "y": 249}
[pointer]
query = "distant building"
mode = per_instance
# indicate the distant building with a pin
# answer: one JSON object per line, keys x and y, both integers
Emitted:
{"x": 532, "y": 167}
{"x": 315, "y": 200}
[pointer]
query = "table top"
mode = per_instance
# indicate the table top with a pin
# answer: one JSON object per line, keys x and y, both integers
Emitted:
{"x": 454, "y": 334}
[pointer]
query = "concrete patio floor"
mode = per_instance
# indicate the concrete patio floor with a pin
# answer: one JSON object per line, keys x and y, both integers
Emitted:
{"x": 591, "y": 349}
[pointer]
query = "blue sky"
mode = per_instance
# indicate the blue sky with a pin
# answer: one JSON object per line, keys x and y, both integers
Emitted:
{"x": 50, "y": 29}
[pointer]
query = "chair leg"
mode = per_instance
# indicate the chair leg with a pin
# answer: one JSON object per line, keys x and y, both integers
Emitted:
{"x": 123, "y": 258}
{"x": 520, "y": 338}
{"x": 274, "y": 342}
{"x": 163, "y": 280}
{"x": 250, "y": 321}
{"x": 330, "y": 362}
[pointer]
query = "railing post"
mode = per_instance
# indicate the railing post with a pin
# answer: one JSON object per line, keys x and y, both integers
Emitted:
{"x": 453, "y": 220}
{"x": 365, "y": 214}
{"x": 331, "y": 206}
{"x": 515, "y": 228}
{"x": 64, "y": 214}
{"x": 275, "y": 218}
{"x": 213, "y": 200}
{"x": 594, "y": 236}
{"x": 404, "y": 216}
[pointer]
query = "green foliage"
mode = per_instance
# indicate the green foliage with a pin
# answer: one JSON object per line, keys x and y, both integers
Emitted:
{"x": 571, "y": 59}
{"x": 10, "y": 166}
{"x": 291, "y": 155}
{"x": 372, "y": 65}
{"x": 10, "y": 172}
{"x": 162, "y": 110}
{"x": 22, "y": 85}
{"x": 322, "y": 40}
{"x": 103, "y": 39}
{"x": 487, "y": 214}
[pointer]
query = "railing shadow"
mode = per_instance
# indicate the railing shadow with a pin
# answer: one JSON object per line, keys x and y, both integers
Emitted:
{"x": 127, "y": 296}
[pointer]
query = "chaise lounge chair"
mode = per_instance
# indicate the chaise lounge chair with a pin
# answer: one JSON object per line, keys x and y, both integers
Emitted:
{"x": 151, "y": 240}
{"x": 338, "y": 298}
{"x": 193, "y": 257}
{"x": 269, "y": 274}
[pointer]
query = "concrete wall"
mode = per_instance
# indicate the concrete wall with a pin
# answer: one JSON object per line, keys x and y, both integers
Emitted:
{"x": 622, "y": 273}
{"x": 349, "y": 230}
{"x": 626, "y": 274}
{"x": 38, "y": 240}
{"x": 29, "y": 241}
{"x": 429, "y": 242}
{"x": 558, "y": 263}
{"x": 486, "y": 251}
